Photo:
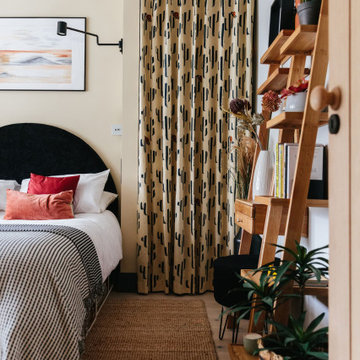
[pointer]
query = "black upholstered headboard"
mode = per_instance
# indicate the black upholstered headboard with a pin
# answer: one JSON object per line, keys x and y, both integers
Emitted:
{"x": 47, "y": 150}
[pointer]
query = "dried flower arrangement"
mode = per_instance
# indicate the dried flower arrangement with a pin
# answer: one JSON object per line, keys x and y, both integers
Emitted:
{"x": 245, "y": 121}
{"x": 244, "y": 143}
{"x": 271, "y": 101}
{"x": 244, "y": 149}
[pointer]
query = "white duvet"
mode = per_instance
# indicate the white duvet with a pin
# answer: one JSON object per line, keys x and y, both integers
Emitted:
{"x": 103, "y": 229}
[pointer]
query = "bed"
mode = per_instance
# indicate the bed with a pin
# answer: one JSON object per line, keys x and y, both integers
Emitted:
{"x": 54, "y": 274}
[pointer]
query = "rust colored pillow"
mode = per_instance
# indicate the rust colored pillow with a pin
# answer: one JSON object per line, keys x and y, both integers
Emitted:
{"x": 52, "y": 185}
{"x": 23, "y": 206}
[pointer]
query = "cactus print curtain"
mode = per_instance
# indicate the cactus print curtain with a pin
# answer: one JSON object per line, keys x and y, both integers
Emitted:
{"x": 196, "y": 55}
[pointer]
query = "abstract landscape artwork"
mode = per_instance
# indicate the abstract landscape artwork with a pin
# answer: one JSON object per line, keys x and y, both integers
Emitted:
{"x": 34, "y": 57}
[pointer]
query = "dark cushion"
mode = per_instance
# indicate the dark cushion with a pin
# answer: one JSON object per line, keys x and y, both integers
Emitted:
{"x": 225, "y": 279}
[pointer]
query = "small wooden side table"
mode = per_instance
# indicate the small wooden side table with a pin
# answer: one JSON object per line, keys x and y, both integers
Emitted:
{"x": 237, "y": 352}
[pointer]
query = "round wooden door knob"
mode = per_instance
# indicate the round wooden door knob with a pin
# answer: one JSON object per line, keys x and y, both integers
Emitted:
{"x": 321, "y": 98}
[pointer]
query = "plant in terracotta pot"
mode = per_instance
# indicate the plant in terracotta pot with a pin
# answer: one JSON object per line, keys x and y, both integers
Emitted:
{"x": 308, "y": 11}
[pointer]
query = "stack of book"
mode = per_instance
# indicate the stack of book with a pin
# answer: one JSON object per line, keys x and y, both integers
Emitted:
{"x": 285, "y": 165}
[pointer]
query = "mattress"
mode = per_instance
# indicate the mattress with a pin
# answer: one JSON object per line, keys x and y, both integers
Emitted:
{"x": 103, "y": 229}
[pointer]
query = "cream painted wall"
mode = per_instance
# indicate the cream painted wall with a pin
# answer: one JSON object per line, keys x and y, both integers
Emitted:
{"x": 111, "y": 82}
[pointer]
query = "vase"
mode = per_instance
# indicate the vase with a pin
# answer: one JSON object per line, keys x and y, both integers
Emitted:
{"x": 250, "y": 342}
{"x": 296, "y": 102}
{"x": 278, "y": 112}
{"x": 263, "y": 174}
{"x": 309, "y": 12}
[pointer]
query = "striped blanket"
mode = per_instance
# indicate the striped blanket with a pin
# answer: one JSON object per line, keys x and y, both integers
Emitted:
{"x": 49, "y": 279}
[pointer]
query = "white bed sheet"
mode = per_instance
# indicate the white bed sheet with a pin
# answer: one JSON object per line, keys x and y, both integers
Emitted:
{"x": 103, "y": 229}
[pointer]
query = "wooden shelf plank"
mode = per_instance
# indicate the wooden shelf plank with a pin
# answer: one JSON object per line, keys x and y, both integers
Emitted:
{"x": 272, "y": 55}
{"x": 292, "y": 120}
{"x": 276, "y": 81}
{"x": 237, "y": 352}
{"x": 317, "y": 203}
{"x": 302, "y": 41}
{"x": 309, "y": 290}
{"x": 266, "y": 200}
{"x": 314, "y": 290}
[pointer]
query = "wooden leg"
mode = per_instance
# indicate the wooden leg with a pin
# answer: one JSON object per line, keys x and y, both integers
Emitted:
{"x": 271, "y": 233}
{"x": 267, "y": 252}
{"x": 245, "y": 243}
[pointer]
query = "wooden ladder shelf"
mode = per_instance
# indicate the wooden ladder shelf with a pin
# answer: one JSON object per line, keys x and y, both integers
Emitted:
{"x": 273, "y": 216}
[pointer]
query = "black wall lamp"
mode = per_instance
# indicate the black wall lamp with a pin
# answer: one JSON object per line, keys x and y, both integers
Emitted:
{"x": 62, "y": 29}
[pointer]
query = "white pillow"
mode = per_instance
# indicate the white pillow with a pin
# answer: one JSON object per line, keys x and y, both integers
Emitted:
{"x": 4, "y": 185}
{"x": 106, "y": 199}
{"x": 88, "y": 192}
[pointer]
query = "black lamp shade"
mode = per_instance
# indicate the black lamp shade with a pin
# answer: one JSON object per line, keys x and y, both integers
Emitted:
{"x": 61, "y": 28}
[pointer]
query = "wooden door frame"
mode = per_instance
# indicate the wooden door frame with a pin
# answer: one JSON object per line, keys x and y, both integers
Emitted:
{"x": 355, "y": 177}
{"x": 344, "y": 175}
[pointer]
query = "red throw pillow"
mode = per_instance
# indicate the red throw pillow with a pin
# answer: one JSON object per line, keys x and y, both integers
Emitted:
{"x": 52, "y": 185}
{"x": 38, "y": 207}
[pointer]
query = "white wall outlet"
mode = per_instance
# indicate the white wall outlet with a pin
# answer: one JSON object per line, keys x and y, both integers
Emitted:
{"x": 116, "y": 130}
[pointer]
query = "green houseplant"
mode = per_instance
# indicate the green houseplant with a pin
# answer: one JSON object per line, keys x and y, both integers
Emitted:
{"x": 308, "y": 11}
{"x": 297, "y": 342}
{"x": 271, "y": 291}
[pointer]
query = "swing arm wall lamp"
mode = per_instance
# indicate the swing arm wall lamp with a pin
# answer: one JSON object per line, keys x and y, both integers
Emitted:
{"x": 62, "y": 29}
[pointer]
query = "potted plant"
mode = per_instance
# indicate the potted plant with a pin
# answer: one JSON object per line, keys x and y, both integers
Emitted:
{"x": 297, "y": 342}
{"x": 295, "y": 96}
{"x": 264, "y": 295}
{"x": 271, "y": 290}
{"x": 308, "y": 11}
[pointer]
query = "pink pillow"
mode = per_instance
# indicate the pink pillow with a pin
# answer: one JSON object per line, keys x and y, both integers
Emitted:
{"x": 38, "y": 207}
{"x": 52, "y": 185}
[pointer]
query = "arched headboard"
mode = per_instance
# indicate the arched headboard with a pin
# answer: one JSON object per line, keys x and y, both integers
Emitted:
{"x": 47, "y": 150}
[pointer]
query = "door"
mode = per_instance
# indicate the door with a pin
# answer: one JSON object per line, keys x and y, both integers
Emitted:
{"x": 344, "y": 182}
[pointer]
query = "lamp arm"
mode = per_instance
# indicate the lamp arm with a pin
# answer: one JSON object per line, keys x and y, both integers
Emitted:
{"x": 119, "y": 44}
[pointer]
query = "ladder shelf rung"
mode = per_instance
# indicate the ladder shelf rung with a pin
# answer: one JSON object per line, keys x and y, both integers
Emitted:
{"x": 266, "y": 200}
{"x": 302, "y": 41}
{"x": 309, "y": 290}
{"x": 277, "y": 80}
{"x": 272, "y": 55}
{"x": 292, "y": 120}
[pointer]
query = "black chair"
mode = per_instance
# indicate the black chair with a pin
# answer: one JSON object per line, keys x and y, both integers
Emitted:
{"x": 225, "y": 280}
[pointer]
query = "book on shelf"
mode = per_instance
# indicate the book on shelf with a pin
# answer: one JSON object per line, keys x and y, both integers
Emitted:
{"x": 281, "y": 170}
{"x": 285, "y": 166}
{"x": 276, "y": 190}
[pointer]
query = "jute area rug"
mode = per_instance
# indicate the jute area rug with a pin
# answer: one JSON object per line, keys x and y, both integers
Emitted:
{"x": 151, "y": 329}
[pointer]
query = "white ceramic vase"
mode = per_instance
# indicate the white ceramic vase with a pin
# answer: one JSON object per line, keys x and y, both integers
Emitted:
{"x": 278, "y": 112}
{"x": 263, "y": 174}
{"x": 296, "y": 102}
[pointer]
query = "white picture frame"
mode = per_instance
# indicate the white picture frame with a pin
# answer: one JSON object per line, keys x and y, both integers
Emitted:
{"x": 34, "y": 57}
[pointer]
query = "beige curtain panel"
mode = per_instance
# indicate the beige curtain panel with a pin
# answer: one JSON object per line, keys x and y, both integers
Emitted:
{"x": 195, "y": 57}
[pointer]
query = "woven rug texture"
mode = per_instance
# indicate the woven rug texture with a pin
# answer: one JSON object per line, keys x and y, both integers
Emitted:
{"x": 151, "y": 329}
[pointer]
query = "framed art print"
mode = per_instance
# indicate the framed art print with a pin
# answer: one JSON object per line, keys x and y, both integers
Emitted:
{"x": 34, "y": 57}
